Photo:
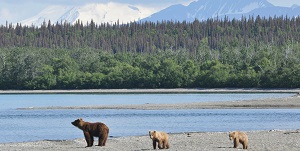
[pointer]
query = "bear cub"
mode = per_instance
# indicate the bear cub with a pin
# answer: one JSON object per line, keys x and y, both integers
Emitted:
{"x": 92, "y": 129}
{"x": 239, "y": 137}
{"x": 159, "y": 138}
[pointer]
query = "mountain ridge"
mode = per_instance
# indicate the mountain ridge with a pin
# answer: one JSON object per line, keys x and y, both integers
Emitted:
{"x": 124, "y": 13}
{"x": 98, "y": 12}
{"x": 204, "y": 9}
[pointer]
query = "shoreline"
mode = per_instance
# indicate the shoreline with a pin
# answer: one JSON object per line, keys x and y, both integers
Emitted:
{"x": 275, "y": 140}
{"x": 178, "y": 90}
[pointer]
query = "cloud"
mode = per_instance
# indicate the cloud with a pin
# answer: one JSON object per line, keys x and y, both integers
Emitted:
{"x": 5, "y": 13}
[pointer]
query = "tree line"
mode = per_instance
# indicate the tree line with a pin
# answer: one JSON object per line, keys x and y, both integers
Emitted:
{"x": 248, "y": 53}
{"x": 152, "y": 36}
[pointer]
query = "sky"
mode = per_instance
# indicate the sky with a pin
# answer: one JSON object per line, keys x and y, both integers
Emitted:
{"x": 18, "y": 10}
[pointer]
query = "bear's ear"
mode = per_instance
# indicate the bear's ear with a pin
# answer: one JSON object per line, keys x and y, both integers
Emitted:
{"x": 80, "y": 119}
{"x": 154, "y": 131}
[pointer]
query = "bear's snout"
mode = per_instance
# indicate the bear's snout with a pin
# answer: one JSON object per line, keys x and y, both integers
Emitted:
{"x": 74, "y": 123}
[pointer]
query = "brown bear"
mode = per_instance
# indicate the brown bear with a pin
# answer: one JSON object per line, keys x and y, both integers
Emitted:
{"x": 92, "y": 129}
{"x": 161, "y": 138}
{"x": 239, "y": 137}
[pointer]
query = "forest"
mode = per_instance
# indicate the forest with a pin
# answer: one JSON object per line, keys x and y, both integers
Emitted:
{"x": 251, "y": 52}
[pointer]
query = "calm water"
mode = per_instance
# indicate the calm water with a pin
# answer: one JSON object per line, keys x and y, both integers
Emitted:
{"x": 31, "y": 125}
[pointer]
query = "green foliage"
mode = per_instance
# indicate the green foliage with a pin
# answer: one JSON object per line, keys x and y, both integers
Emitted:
{"x": 46, "y": 79}
{"x": 215, "y": 74}
{"x": 246, "y": 53}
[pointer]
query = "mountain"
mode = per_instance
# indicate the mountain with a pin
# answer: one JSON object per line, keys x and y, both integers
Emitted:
{"x": 111, "y": 12}
{"x": 52, "y": 13}
{"x": 204, "y": 9}
{"x": 99, "y": 13}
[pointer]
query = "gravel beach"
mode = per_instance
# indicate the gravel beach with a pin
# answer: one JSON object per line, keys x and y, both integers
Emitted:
{"x": 267, "y": 140}
{"x": 273, "y": 140}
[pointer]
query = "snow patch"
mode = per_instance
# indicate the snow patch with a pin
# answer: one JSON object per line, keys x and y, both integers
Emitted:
{"x": 250, "y": 7}
{"x": 98, "y": 12}
{"x": 51, "y": 13}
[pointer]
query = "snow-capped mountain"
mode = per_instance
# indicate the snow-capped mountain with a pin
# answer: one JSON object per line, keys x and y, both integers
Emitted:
{"x": 52, "y": 13}
{"x": 204, "y": 9}
{"x": 111, "y": 12}
{"x": 98, "y": 12}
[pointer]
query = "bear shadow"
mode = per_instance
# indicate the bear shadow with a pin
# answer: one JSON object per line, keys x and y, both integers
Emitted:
{"x": 142, "y": 149}
{"x": 224, "y": 147}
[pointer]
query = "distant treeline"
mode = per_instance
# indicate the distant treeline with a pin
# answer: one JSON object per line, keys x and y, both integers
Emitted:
{"x": 154, "y": 36}
{"x": 250, "y": 53}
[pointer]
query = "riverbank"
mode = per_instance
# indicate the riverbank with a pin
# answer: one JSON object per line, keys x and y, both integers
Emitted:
{"x": 275, "y": 140}
{"x": 179, "y": 90}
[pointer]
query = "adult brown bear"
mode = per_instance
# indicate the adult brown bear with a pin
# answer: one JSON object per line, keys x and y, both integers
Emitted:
{"x": 92, "y": 129}
{"x": 159, "y": 138}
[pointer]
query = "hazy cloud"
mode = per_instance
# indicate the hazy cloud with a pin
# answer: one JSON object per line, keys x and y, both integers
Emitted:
{"x": 5, "y": 15}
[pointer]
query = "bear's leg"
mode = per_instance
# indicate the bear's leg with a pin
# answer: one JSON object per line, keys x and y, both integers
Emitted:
{"x": 245, "y": 145}
{"x": 164, "y": 144}
{"x": 104, "y": 139}
{"x": 160, "y": 144}
{"x": 154, "y": 144}
{"x": 92, "y": 140}
{"x": 236, "y": 143}
{"x": 87, "y": 139}
{"x": 167, "y": 145}
{"x": 100, "y": 140}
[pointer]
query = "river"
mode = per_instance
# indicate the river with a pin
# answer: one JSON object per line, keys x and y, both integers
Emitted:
{"x": 32, "y": 125}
